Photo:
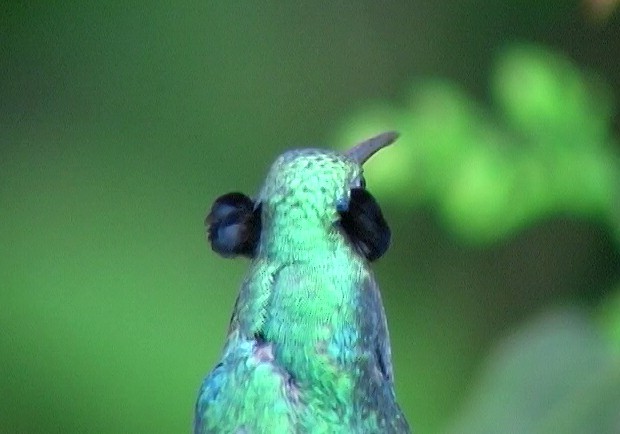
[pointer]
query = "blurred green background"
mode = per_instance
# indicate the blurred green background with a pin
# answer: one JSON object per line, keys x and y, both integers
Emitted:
{"x": 122, "y": 121}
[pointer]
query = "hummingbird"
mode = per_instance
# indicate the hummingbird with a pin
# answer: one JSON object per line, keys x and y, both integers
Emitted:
{"x": 308, "y": 349}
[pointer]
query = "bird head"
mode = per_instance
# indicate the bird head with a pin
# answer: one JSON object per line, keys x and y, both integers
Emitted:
{"x": 306, "y": 191}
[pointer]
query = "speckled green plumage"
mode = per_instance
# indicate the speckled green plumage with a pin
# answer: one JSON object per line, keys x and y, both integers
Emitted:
{"x": 308, "y": 348}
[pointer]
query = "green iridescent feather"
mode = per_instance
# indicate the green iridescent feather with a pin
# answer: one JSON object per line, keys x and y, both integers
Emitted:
{"x": 308, "y": 349}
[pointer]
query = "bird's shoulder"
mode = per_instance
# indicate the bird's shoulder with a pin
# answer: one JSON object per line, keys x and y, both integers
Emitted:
{"x": 247, "y": 391}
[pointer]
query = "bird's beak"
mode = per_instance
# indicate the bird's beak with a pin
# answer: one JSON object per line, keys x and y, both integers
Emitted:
{"x": 361, "y": 152}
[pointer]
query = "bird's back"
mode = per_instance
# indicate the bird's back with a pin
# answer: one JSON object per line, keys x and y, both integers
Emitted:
{"x": 322, "y": 366}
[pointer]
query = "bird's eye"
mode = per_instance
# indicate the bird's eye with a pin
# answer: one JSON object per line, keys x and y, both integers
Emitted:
{"x": 359, "y": 182}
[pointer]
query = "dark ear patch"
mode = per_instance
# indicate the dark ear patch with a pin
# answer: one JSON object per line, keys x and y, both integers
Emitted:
{"x": 363, "y": 222}
{"x": 233, "y": 225}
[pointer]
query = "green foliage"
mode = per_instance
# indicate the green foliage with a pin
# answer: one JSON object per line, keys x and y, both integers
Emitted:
{"x": 545, "y": 150}
{"x": 610, "y": 319}
{"x": 556, "y": 374}
{"x": 121, "y": 123}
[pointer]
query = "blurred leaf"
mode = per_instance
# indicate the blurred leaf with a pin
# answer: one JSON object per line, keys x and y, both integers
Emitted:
{"x": 554, "y": 375}
{"x": 611, "y": 319}
{"x": 547, "y": 151}
{"x": 600, "y": 10}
